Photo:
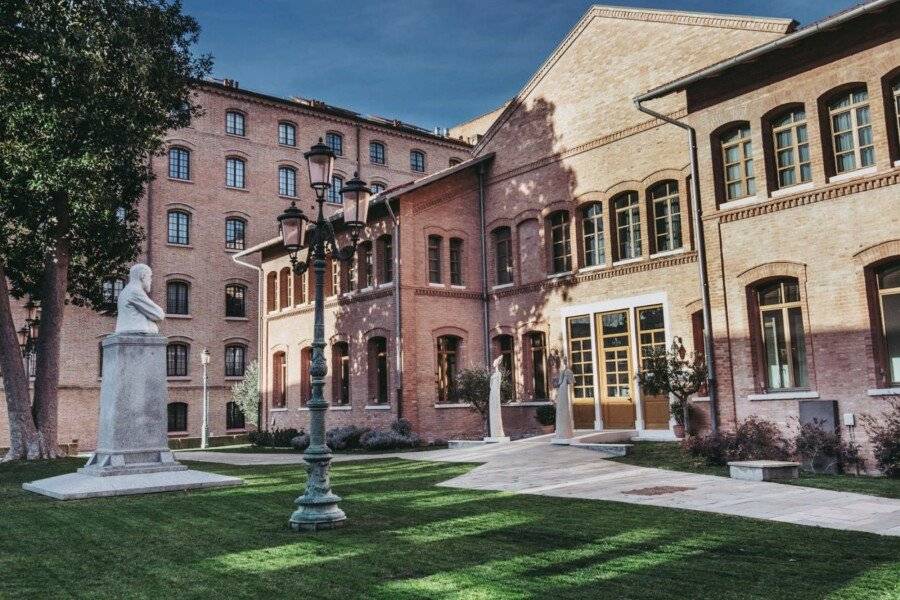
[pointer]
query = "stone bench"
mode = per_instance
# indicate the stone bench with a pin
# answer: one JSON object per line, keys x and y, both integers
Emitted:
{"x": 764, "y": 470}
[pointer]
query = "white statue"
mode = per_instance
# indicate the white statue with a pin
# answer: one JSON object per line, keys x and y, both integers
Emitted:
{"x": 137, "y": 312}
{"x": 565, "y": 427}
{"x": 495, "y": 415}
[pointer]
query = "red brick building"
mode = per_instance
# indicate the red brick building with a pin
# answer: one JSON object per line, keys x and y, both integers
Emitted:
{"x": 571, "y": 229}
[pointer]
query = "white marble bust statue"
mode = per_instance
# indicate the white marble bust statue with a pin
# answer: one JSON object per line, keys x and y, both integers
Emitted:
{"x": 137, "y": 312}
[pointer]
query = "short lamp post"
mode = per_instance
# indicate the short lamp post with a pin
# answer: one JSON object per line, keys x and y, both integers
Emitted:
{"x": 318, "y": 507}
{"x": 28, "y": 335}
{"x": 204, "y": 430}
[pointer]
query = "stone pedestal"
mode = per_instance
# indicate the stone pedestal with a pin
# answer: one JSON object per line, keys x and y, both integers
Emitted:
{"x": 132, "y": 455}
{"x": 763, "y": 470}
{"x": 132, "y": 434}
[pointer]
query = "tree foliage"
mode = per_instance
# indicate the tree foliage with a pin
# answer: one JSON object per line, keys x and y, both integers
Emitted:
{"x": 674, "y": 372}
{"x": 246, "y": 393}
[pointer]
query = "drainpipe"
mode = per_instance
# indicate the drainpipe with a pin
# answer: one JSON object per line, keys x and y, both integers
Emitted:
{"x": 398, "y": 332}
{"x": 484, "y": 270}
{"x": 259, "y": 319}
{"x": 699, "y": 242}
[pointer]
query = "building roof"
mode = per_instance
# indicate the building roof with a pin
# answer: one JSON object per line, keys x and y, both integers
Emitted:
{"x": 316, "y": 106}
{"x": 818, "y": 28}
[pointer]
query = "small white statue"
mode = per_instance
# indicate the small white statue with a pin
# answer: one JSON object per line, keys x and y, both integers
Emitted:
{"x": 565, "y": 427}
{"x": 137, "y": 312}
{"x": 495, "y": 414}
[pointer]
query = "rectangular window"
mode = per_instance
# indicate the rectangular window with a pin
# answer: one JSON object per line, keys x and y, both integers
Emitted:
{"x": 504, "y": 348}
{"x": 387, "y": 258}
{"x": 279, "y": 380}
{"x": 234, "y": 234}
{"x": 381, "y": 370}
{"x": 561, "y": 242}
{"x": 235, "y": 361}
{"x": 287, "y": 181}
{"x": 234, "y": 123}
{"x": 503, "y": 255}
{"x": 334, "y": 192}
{"x": 888, "y": 281}
{"x": 851, "y": 131}
{"x": 651, "y": 332}
{"x": 235, "y": 305}
{"x": 791, "y": 143}
{"x": 666, "y": 216}
{"x": 367, "y": 264}
{"x": 434, "y": 258}
{"x": 176, "y": 360}
{"x": 592, "y": 231}
{"x": 581, "y": 356}
{"x": 234, "y": 173}
{"x": 177, "y": 298}
{"x": 335, "y": 141}
{"x": 179, "y": 164}
{"x": 447, "y": 361}
{"x": 538, "y": 365}
{"x": 628, "y": 225}
{"x": 376, "y": 153}
{"x": 287, "y": 134}
{"x": 417, "y": 161}
{"x": 179, "y": 228}
{"x": 783, "y": 337}
{"x": 737, "y": 161}
{"x": 456, "y": 261}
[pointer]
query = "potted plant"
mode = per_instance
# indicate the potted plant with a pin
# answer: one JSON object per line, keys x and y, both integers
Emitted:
{"x": 676, "y": 373}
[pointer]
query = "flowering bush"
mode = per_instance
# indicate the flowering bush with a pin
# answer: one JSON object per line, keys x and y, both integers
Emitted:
{"x": 884, "y": 433}
{"x": 753, "y": 439}
{"x": 344, "y": 438}
{"x": 823, "y": 451}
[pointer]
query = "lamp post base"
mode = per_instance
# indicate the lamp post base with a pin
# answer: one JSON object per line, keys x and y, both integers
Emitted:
{"x": 318, "y": 507}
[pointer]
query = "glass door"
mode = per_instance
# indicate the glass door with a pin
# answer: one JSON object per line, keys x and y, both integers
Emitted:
{"x": 616, "y": 396}
{"x": 652, "y": 338}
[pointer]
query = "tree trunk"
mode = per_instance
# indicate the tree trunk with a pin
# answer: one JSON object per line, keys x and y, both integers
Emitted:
{"x": 23, "y": 435}
{"x": 53, "y": 302}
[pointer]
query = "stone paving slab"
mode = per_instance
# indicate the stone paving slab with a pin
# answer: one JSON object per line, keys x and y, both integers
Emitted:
{"x": 534, "y": 466}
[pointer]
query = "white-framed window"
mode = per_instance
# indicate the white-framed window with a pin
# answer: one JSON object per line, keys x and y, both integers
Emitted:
{"x": 287, "y": 134}
{"x": 234, "y": 172}
{"x": 287, "y": 181}
{"x": 666, "y": 216}
{"x": 790, "y": 142}
{"x": 234, "y": 123}
{"x": 737, "y": 163}
{"x": 851, "y": 130}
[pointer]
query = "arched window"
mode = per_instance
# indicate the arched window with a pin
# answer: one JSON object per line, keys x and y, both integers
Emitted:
{"x": 235, "y": 300}
{"x": 234, "y": 416}
{"x": 234, "y": 172}
{"x": 305, "y": 364}
{"x": 335, "y": 141}
{"x": 177, "y": 298}
{"x": 272, "y": 291}
{"x": 560, "y": 242}
{"x": 503, "y": 266}
{"x": 179, "y": 163}
{"x": 279, "y": 380}
{"x": 334, "y": 192}
{"x": 504, "y": 348}
{"x": 434, "y": 258}
{"x": 287, "y": 134}
{"x": 737, "y": 163}
{"x": 377, "y": 188}
{"x": 417, "y": 161}
{"x": 537, "y": 353}
{"x": 447, "y": 367}
{"x": 666, "y": 216}
{"x": 895, "y": 105}
{"x": 179, "y": 230}
{"x": 176, "y": 417}
{"x": 456, "y": 261}
{"x": 235, "y": 360}
{"x": 592, "y": 235}
{"x": 887, "y": 280}
{"x": 376, "y": 153}
{"x": 235, "y": 233}
{"x": 783, "y": 338}
{"x": 340, "y": 356}
{"x": 177, "y": 360}
{"x": 852, "y": 144}
{"x": 790, "y": 143}
{"x": 386, "y": 258}
{"x": 234, "y": 123}
{"x": 287, "y": 181}
{"x": 284, "y": 281}
{"x": 378, "y": 370}
{"x": 628, "y": 225}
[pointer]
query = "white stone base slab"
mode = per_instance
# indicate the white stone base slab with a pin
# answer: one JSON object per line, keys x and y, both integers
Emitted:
{"x": 76, "y": 486}
{"x": 561, "y": 441}
{"x": 465, "y": 443}
{"x": 763, "y": 470}
{"x": 497, "y": 440}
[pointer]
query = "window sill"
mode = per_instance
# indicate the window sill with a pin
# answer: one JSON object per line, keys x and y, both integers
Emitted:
{"x": 236, "y": 319}
{"x": 794, "y": 189}
{"x": 233, "y": 250}
{"x": 592, "y": 268}
{"x": 168, "y": 316}
{"x": 334, "y": 203}
{"x": 892, "y": 391}
{"x": 457, "y": 287}
{"x": 452, "y": 405}
{"x": 286, "y": 197}
{"x": 853, "y": 174}
{"x": 627, "y": 261}
{"x": 178, "y": 378}
{"x": 378, "y": 164}
{"x": 238, "y": 430}
{"x": 185, "y": 246}
{"x": 280, "y": 145}
{"x": 668, "y": 253}
{"x": 503, "y": 286}
{"x": 740, "y": 202}
{"x": 242, "y": 136}
{"x": 340, "y": 407}
{"x": 304, "y": 408}
{"x": 559, "y": 275}
{"x": 790, "y": 395}
{"x": 436, "y": 285}
{"x": 378, "y": 407}
{"x": 177, "y": 434}
{"x": 237, "y": 189}
{"x": 284, "y": 409}
{"x": 386, "y": 285}
{"x": 179, "y": 180}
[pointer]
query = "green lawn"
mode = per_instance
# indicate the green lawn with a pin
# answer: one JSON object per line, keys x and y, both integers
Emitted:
{"x": 670, "y": 455}
{"x": 407, "y": 538}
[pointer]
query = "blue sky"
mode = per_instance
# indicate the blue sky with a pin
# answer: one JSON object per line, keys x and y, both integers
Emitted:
{"x": 428, "y": 62}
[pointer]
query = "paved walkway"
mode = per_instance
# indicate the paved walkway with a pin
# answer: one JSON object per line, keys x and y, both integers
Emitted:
{"x": 534, "y": 466}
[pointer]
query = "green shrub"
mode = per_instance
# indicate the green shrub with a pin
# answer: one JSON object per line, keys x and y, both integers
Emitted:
{"x": 884, "y": 433}
{"x": 274, "y": 438}
{"x": 546, "y": 415}
{"x": 823, "y": 451}
{"x": 754, "y": 439}
{"x": 345, "y": 438}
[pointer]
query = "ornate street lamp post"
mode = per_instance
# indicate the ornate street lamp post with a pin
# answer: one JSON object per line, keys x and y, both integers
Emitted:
{"x": 318, "y": 507}
{"x": 204, "y": 430}
{"x": 28, "y": 335}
